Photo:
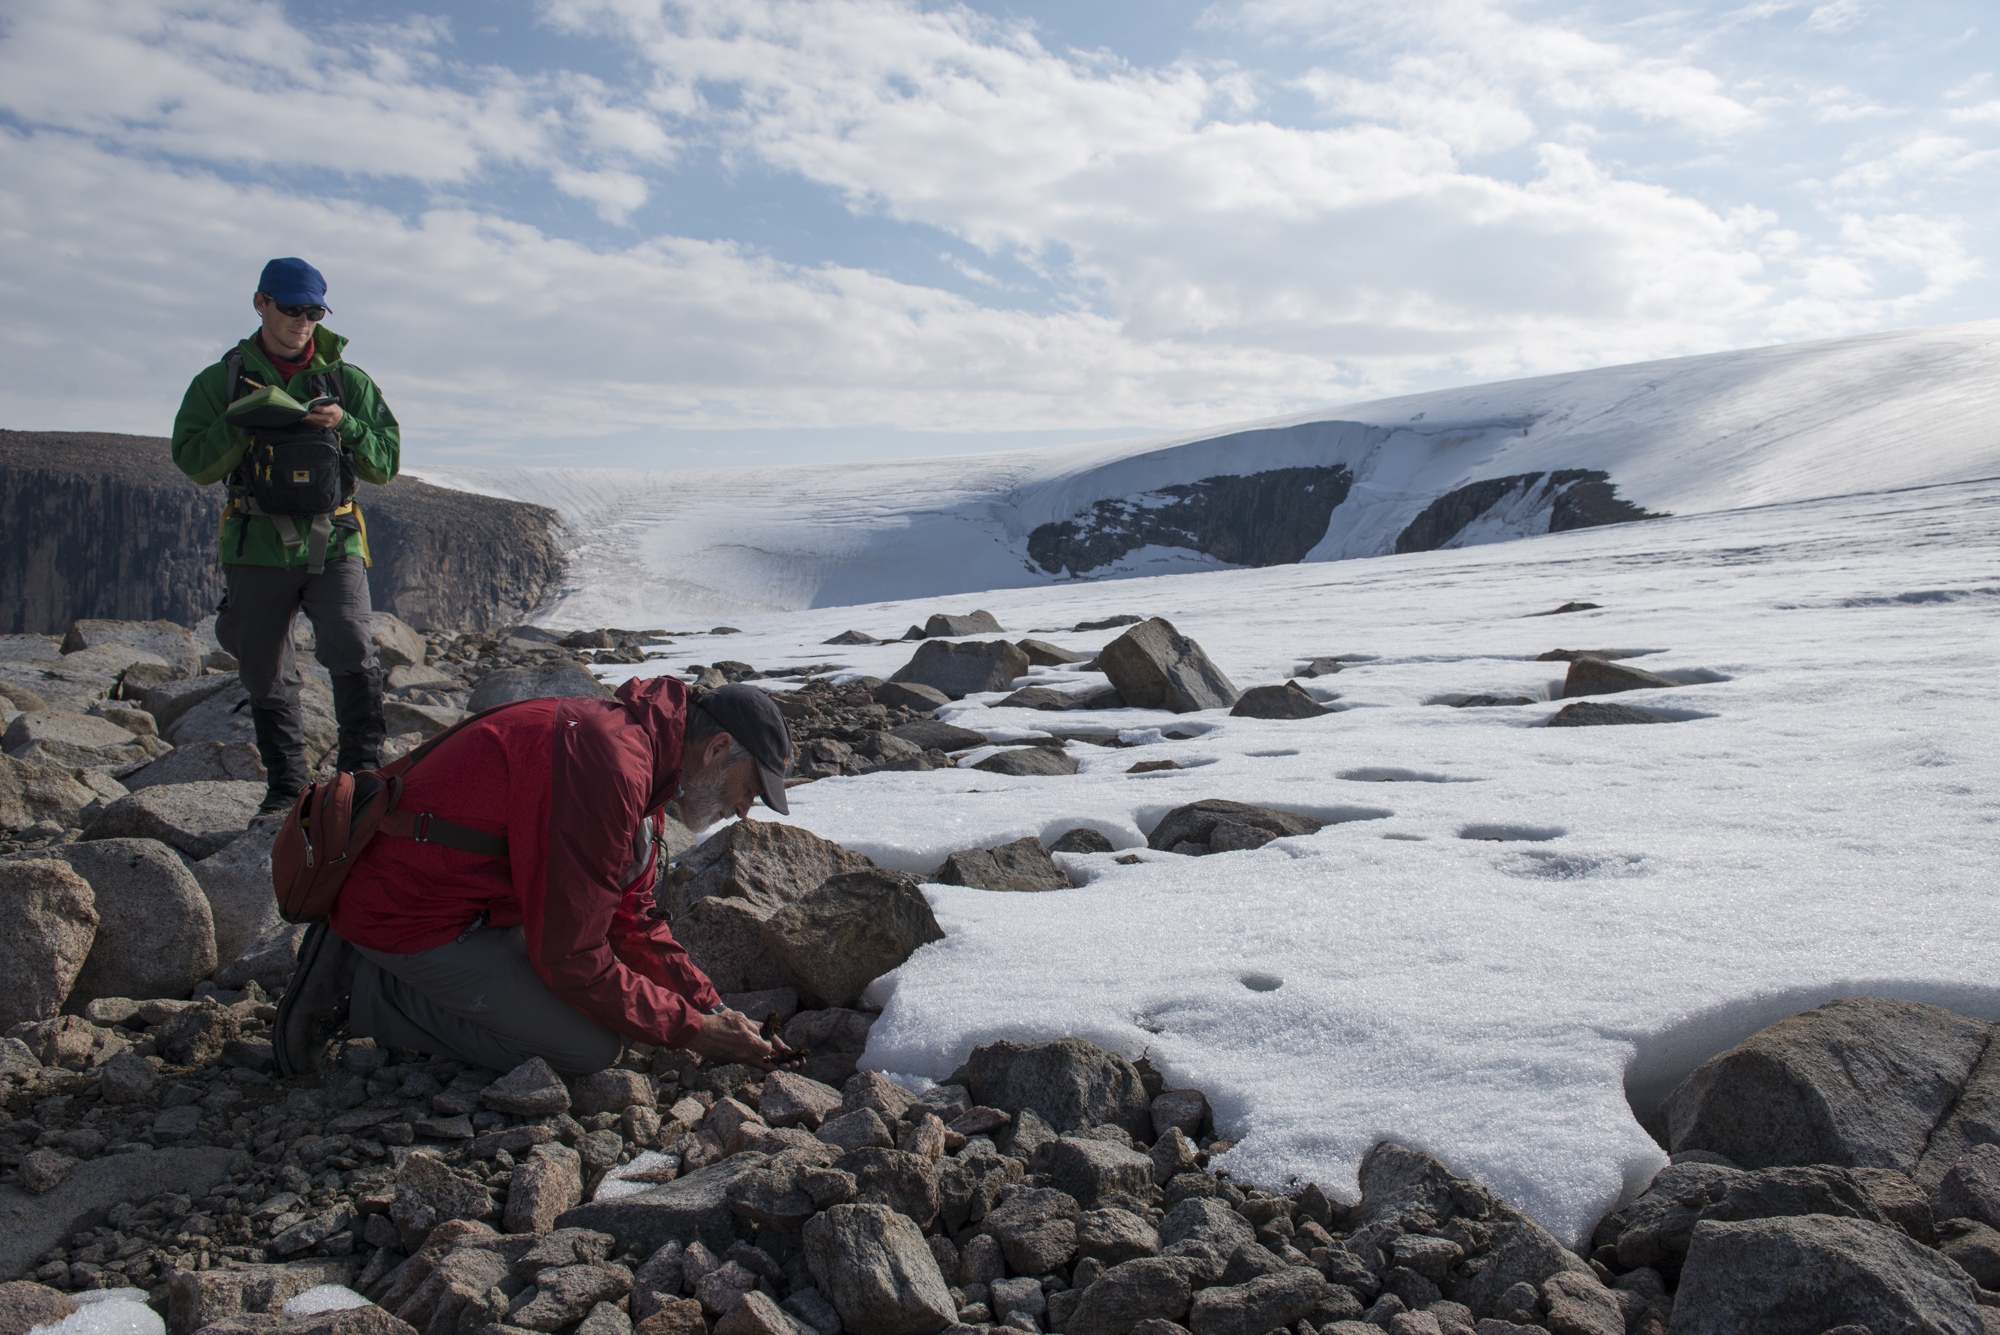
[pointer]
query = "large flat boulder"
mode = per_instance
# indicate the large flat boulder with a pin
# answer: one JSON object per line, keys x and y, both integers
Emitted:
{"x": 86, "y": 741}
{"x": 947, "y": 624}
{"x": 19, "y": 648}
{"x": 1023, "y": 864}
{"x": 541, "y": 681}
{"x": 848, "y": 932}
{"x": 73, "y": 681}
{"x": 237, "y": 884}
{"x": 909, "y": 695}
{"x": 200, "y": 819}
{"x": 766, "y": 864}
{"x": 1812, "y": 1273}
{"x": 1196, "y": 823}
{"x": 1024, "y": 762}
{"x": 696, "y": 1205}
{"x": 962, "y": 668}
{"x": 155, "y": 938}
{"x": 1657, "y": 1227}
{"x": 178, "y": 646}
{"x": 51, "y": 921}
{"x": 1286, "y": 700}
{"x": 1598, "y": 676}
{"x": 171, "y": 699}
{"x": 1154, "y": 666}
{"x": 225, "y": 717}
{"x": 1043, "y": 654}
{"x": 1070, "y": 1084}
{"x": 828, "y": 944}
{"x": 31, "y": 1225}
{"x": 1859, "y": 1082}
{"x": 36, "y": 790}
{"x": 201, "y": 762}
{"x": 934, "y": 734}
{"x": 1602, "y": 714}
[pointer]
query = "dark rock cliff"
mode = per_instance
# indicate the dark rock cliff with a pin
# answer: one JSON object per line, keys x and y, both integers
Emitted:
{"x": 99, "y": 525}
{"x": 1576, "y": 497}
{"x": 1259, "y": 519}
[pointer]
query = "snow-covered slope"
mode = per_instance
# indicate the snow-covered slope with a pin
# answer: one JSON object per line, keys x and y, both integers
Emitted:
{"x": 1687, "y": 436}
{"x": 1511, "y": 928}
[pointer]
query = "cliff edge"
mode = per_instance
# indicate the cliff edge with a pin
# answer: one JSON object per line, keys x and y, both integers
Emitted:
{"x": 101, "y": 525}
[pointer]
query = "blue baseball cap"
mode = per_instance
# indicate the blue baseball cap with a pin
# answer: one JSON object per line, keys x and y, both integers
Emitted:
{"x": 293, "y": 282}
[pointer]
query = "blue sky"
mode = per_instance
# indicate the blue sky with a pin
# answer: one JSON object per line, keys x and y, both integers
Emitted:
{"x": 696, "y": 233}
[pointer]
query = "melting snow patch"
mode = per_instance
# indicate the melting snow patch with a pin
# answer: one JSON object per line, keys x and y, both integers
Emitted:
{"x": 646, "y": 1171}
{"x": 107, "y": 1312}
{"x": 324, "y": 1298}
{"x": 1654, "y": 894}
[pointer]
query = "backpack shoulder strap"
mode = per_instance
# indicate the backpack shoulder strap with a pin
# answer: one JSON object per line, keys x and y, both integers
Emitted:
{"x": 232, "y": 372}
{"x": 424, "y": 827}
{"x": 328, "y": 383}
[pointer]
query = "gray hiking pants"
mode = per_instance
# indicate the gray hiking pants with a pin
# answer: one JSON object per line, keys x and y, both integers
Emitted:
{"x": 475, "y": 1000}
{"x": 254, "y": 623}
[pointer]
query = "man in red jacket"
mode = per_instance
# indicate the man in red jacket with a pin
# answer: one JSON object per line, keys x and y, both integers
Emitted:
{"x": 550, "y": 948}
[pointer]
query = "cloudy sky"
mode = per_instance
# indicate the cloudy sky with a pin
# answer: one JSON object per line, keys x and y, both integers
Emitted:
{"x": 719, "y": 232}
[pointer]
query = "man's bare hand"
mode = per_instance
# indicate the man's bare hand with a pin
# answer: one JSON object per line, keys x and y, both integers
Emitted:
{"x": 733, "y": 1036}
{"x": 326, "y": 416}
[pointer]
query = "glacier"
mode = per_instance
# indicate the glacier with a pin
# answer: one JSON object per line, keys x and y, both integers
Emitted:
{"x": 1686, "y": 436}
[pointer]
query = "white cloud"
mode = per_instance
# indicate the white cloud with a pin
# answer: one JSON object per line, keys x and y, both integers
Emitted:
{"x": 1478, "y": 56}
{"x": 489, "y": 333}
{"x": 614, "y": 193}
{"x": 235, "y": 82}
{"x": 1369, "y": 243}
{"x": 1462, "y": 210}
{"x": 1836, "y": 16}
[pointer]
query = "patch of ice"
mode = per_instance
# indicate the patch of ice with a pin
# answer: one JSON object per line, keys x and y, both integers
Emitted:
{"x": 324, "y": 1298}
{"x": 618, "y": 1181}
{"x": 107, "y": 1312}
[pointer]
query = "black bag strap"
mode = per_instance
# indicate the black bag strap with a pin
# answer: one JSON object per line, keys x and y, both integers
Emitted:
{"x": 423, "y": 826}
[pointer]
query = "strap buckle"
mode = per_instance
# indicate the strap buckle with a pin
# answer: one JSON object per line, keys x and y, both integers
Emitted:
{"x": 422, "y": 832}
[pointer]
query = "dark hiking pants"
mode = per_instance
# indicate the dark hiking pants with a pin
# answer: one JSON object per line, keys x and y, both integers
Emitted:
{"x": 254, "y": 623}
{"x": 477, "y": 1000}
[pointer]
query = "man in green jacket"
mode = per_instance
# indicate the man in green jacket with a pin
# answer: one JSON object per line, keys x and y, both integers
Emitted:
{"x": 280, "y": 553}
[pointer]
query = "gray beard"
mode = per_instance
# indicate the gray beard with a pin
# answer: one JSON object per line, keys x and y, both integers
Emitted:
{"x": 701, "y": 801}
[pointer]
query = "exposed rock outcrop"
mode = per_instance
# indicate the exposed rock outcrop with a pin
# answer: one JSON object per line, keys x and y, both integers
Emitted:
{"x": 1571, "y": 498}
{"x": 1259, "y": 519}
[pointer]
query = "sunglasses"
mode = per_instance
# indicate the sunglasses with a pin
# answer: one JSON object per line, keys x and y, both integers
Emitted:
{"x": 314, "y": 313}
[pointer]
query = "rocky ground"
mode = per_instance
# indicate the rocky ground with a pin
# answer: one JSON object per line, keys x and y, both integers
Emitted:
{"x": 1839, "y": 1171}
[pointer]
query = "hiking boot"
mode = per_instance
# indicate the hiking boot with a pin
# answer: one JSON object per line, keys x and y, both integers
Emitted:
{"x": 314, "y": 1006}
{"x": 285, "y": 771}
{"x": 357, "y": 707}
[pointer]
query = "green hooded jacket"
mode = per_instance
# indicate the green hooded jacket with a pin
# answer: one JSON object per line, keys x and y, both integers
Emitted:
{"x": 208, "y": 449}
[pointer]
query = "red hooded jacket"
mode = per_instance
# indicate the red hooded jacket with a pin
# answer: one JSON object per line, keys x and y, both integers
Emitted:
{"x": 569, "y": 782}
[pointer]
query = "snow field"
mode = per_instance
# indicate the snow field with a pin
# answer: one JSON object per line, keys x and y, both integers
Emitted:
{"x": 1687, "y": 436}
{"x": 1510, "y": 928}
